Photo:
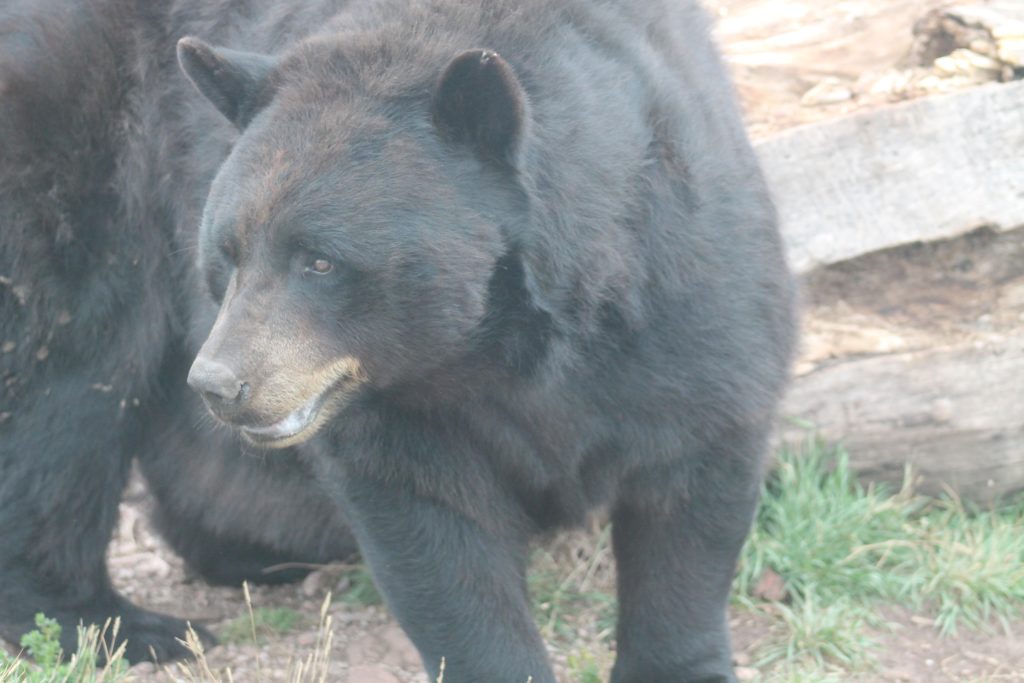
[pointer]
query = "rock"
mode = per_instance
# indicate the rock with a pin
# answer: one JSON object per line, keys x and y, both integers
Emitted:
{"x": 153, "y": 565}
{"x": 829, "y": 91}
{"x": 307, "y": 641}
{"x": 969, "y": 64}
{"x": 770, "y": 587}
{"x": 143, "y": 670}
{"x": 388, "y": 645}
{"x": 371, "y": 674}
{"x": 315, "y": 583}
{"x": 1011, "y": 51}
{"x": 128, "y": 523}
{"x": 894, "y": 84}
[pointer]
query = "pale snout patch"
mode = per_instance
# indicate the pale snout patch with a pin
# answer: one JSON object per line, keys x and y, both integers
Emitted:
{"x": 328, "y": 390}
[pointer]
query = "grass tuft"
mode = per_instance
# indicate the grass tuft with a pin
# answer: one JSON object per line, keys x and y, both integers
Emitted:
{"x": 824, "y": 533}
{"x": 561, "y": 598}
{"x": 261, "y": 624}
{"x": 843, "y": 549}
{"x": 819, "y": 635}
{"x": 313, "y": 668}
{"x": 361, "y": 591}
{"x": 93, "y": 662}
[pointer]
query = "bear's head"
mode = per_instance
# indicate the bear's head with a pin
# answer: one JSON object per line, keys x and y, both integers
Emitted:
{"x": 353, "y": 234}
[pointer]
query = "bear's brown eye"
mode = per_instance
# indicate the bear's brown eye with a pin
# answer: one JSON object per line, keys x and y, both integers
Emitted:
{"x": 321, "y": 266}
{"x": 229, "y": 251}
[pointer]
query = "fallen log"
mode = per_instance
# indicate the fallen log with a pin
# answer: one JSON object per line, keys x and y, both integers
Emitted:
{"x": 983, "y": 41}
{"x": 922, "y": 170}
{"x": 955, "y": 415}
{"x": 916, "y": 356}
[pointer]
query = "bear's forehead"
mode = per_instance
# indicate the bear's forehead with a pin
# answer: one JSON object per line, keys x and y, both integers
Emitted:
{"x": 377, "y": 65}
{"x": 307, "y": 141}
{"x": 376, "y": 181}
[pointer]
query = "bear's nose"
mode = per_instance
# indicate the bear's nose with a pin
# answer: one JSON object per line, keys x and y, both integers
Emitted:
{"x": 215, "y": 381}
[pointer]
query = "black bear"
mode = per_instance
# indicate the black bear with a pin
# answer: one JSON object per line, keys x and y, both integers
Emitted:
{"x": 481, "y": 265}
{"x": 100, "y": 310}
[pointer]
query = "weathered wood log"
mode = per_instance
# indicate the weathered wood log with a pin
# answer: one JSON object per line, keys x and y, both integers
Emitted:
{"x": 897, "y": 366}
{"x": 923, "y": 170}
{"x": 956, "y": 415}
{"x": 962, "y": 33}
{"x": 916, "y": 355}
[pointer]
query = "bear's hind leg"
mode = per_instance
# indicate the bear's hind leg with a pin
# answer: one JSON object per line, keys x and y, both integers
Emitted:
{"x": 63, "y": 466}
{"x": 676, "y": 554}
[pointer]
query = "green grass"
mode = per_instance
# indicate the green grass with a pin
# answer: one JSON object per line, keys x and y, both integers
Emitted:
{"x": 584, "y": 668}
{"x": 361, "y": 590}
{"x": 265, "y": 622}
{"x": 93, "y": 662}
{"x": 561, "y": 598}
{"x": 824, "y": 533}
{"x": 819, "y": 635}
{"x": 803, "y": 674}
{"x": 969, "y": 564}
{"x": 844, "y": 549}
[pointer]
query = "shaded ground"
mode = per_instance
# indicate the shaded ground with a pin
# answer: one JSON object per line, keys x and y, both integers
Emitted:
{"x": 370, "y": 648}
{"x": 915, "y": 297}
{"x": 149, "y": 573}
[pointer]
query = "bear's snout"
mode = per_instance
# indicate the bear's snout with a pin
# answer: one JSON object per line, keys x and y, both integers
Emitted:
{"x": 217, "y": 383}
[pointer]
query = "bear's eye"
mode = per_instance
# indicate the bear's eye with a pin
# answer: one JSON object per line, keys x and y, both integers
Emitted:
{"x": 229, "y": 251}
{"x": 320, "y": 266}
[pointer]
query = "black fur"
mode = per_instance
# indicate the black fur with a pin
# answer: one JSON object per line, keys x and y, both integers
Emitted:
{"x": 552, "y": 254}
{"x": 479, "y": 100}
{"x": 98, "y": 299}
{"x": 233, "y": 81}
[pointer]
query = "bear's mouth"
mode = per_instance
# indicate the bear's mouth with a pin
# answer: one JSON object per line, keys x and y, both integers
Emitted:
{"x": 306, "y": 420}
{"x": 290, "y": 427}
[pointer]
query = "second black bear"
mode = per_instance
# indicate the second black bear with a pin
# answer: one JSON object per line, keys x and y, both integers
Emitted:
{"x": 102, "y": 175}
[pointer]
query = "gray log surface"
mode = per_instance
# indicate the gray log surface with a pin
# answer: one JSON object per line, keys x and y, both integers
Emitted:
{"x": 955, "y": 414}
{"x": 917, "y": 171}
{"x": 921, "y": 171}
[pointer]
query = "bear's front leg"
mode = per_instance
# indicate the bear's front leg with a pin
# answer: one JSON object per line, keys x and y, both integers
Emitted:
{"x": 458, "y": 589}
{"x": 677, "y": 533}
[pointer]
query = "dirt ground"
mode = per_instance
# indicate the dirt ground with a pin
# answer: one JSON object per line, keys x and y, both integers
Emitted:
{"x": 370, "y": 648}
{"x": 911, "y": 651}
{"x": 855, "y": 52}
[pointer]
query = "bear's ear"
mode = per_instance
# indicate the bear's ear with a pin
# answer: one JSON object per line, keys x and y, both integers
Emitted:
{"x": 479, "y": 101}
{"x": 237, "y": 83}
